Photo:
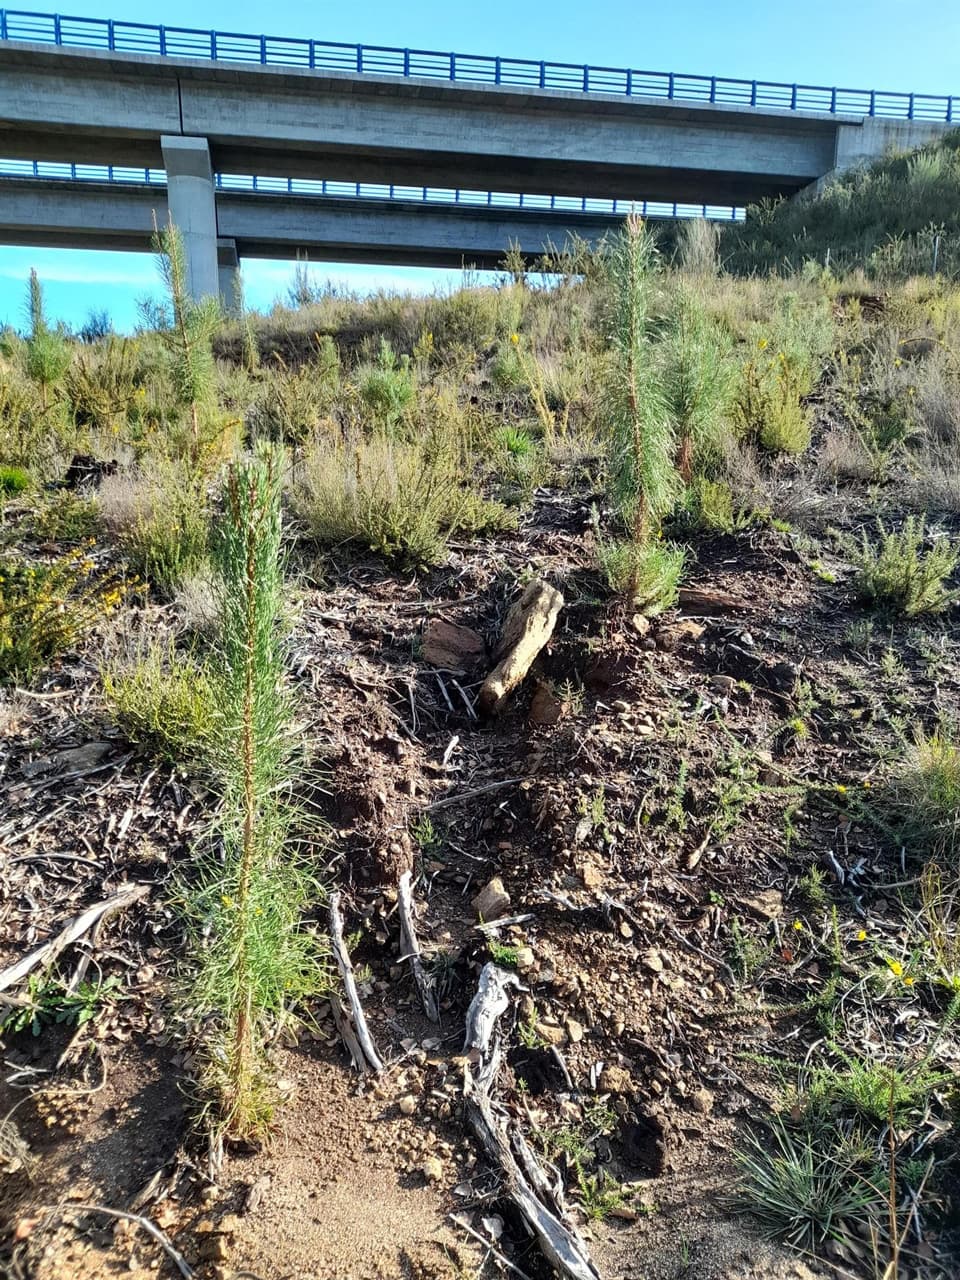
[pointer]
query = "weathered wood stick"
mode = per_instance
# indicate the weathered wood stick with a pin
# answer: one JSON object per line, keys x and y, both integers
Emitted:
{"x": 177, "y": 1258}
{"x": 350, "y": 986}
{"x": 410, "y": 946}
{"x": 78, "y": 926}
{"x": 560, "y": 1243}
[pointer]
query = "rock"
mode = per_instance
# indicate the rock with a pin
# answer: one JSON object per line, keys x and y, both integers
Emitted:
{"x": 702, "y": 1101}
{"x": 551, "y": 1033}
{"x": 614, "y": 1079}
{"x": 492, "y": 901}
{"x": 641, "y": 624}
{"x": 408, "y": 1105}
{"x": 545, "y": 706}
{"x": 432, "y": 1169}
{"x": 768, "y": 904}
{"x": 525, "y": 958}
{"x": 214, "y": 1248}
{"x": 574, "y": 1030}
{"x": 686, "y": 631}
{"x": 653, "y": 960}
{"x": 591, "y": 875}
{"x": 445, "y": 644}
{"x": 528, "y": 628}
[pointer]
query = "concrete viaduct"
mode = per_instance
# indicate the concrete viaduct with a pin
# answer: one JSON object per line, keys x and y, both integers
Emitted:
{"x": 392, "y": 122}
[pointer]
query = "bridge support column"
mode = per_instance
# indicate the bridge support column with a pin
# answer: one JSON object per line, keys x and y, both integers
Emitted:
{"x": 228, "y": 270}
{"x": 191, "y": 200}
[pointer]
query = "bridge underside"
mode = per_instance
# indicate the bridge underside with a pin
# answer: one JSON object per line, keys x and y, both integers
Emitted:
{"x": 89, "y": 215}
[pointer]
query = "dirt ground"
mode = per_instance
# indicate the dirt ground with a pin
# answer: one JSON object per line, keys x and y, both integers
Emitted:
{"x": 644, "y": 801}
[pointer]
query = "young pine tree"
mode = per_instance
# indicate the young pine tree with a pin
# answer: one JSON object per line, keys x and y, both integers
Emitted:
{"x": 254, "y": 958}
{"x": 48, "y": 355}
{"x": 697, "y": 382}
{"x": 192, "y": 329}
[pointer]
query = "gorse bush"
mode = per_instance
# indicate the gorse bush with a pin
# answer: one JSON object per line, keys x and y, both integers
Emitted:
{"x": 896, "y": 575}
{"x": 252, "y": 958}
{"x": 67, "y": 517}
{"x": 387, "y": 387}
{"x": 768, "y": 408}
{"x": 163, "y": 701}
{"x": 46, "y": 607}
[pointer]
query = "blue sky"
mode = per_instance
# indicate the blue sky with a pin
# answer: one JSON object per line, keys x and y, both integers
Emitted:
{"x": 853, "y": 43}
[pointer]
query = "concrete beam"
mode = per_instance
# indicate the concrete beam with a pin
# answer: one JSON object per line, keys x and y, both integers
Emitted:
{"x": 228, "y": 269}
{"x": 103, "y": 216}
{"x": 192, "y": 206}
{"x": 301, "y": 123}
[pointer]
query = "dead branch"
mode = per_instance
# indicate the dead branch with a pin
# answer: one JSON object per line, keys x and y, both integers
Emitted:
{"x": 549, "y": 1222}
{"x": 359, "y": 1023}
{"x": 78, "y": 926}
{"x": 178, "y": 1260}
{"x": 410, "y": 946}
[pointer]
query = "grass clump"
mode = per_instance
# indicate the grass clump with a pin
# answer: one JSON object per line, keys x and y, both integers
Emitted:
{"x": 13, "y": 481}
{"x": 398, "y": 499}
{"x": 165, "y": 702}
{"x": 897, "y": 576}
{"x": 159, "y": 517}
{"x": 46, "y": 607}
{"x": 253, "y": 958}
{"x": 812, "y": 1191}
{"x": 925, "y": 792}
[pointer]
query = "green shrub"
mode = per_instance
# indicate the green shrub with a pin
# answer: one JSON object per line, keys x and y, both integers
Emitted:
{"x": 768, "y": 408}
{"x": 46, "y": 607}
{"x": 163, "y": 701}
{"x": 397, "y": 499}
{"x": 897, "y": 576}
{"x": 161, "y": 521}
{"x": 67, "y": 517}
{"x": 387, "y": 387}
{"x": 648, "y": 573}
{"x": 925, "y": 792}
{"x": 13, "y": 480}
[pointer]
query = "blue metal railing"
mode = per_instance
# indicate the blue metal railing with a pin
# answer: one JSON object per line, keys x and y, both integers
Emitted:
{"x": 464, "y": 68}
{"x": 53, "y": 170}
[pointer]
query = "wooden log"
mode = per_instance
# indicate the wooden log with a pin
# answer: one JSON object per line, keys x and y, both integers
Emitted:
{"x": 528, "y": 628}
{"x": 410, "y": 948}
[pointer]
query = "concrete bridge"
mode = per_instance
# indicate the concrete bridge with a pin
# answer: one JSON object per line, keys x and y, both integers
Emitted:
{"x": 196, "y": 103}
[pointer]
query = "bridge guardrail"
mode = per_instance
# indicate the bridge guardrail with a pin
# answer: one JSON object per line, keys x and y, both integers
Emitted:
{"x": 234, "y": 47}
{"x": 65, "y": 171}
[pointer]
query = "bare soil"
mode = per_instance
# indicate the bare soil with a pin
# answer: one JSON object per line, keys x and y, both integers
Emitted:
{"x": 669, "y": 811}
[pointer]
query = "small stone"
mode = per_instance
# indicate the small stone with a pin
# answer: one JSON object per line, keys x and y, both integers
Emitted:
{"x": 701, "y": 1100}
{"x": 768, "y": 904}
{"x": 525, "y": 958}
{"x": 574, "y": 1030}
{"x": 408, "y": 1105}
{"x": 551, "y": 1033}
{"x": 432, "y": 1169}
{"x": 492, "y": 901}
{"x": 614, "y": 1079}
{"x": 591, "y": 875}
{"x": 214, "y": 1249}
{"x": 640, "y": 623}
{"x": 545, "y": 706}
{"x": 653, "y": 960}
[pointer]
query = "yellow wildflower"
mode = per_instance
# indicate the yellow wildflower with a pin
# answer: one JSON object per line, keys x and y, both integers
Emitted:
{"x": 515, "y": 338}
{"x": 862, "y": 935}
{"x": 226, "y": 900}
{"x": 798, "y": 925}
{"x": 908, "y": 982}
{"x": 896, "y": 968}
{"x": 763, "y": 344}
{"x": 841, "y": 789}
